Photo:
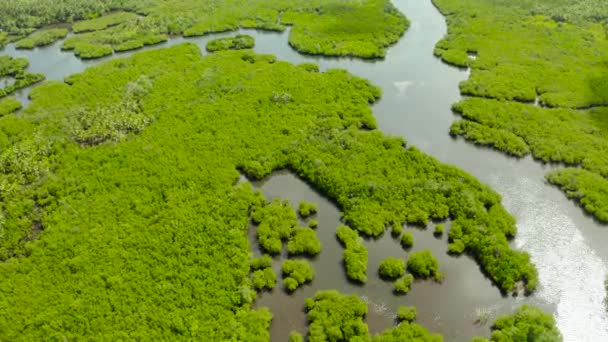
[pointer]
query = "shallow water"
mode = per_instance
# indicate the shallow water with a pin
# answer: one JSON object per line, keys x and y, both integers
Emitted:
{"x": 568, "y": 247}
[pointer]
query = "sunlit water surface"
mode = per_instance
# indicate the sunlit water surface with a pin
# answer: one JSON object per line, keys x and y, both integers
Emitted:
{"x": 568, "y": 247}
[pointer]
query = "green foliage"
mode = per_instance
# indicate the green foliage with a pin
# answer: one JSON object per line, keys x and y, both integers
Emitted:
{"x": 238, "y": 42}
{"x": 335, "y": 27}
{"x": 588, "y": 188}
{"x": 15, "y": 69}
{"x": 313, "y": 224}
{"x": 296, "y": 273}
{"x": 548, "y": 133}
{"x": 265, "y": 261}
{"x": 391, "y": 268}
{"x": 364, "y": 28}
{"x": 547, "y": 130}
{"x": 264, "y": 279}
{"x": 407, "y": 332}
{"x": 517, "y": 58}
{"x": 354, "y": 255}
{"x": 128, "y": 35}
{"x": 277, "y": 222}
{"x": 439, "y": 229}
{"x": 407, "y": 240}
{"x": 306, "y": 209}
{"x": 527, "y": 324}
{"x": 403, "y": 284}
{"x": 333, "y": 316}
{"x": 396, "y": 229}
{"x": 545, "y": 51}
{"x": 487, "y": 136}
{"x": 9, "y": 105}
{"x": 295, "y": 336}
{"x": 154, "y": 228}
{"x": 104, "y": 22}
{"x": 304, "y": 242}
{"x": 406, "y": 313}
{"x": 423, "y": 264}
{"x": 41, "y": 38}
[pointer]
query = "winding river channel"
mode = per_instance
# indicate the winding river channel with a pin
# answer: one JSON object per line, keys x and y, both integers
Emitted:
{"x": 569, "y": 248}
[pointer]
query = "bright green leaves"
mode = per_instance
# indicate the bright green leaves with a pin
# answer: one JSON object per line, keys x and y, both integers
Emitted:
{"x": 41, "y": 38}
{"x": 333, "y": 316}
{"x": 391, "y": 268}
{"x": 354, "y": 255}
{"x": 238, "y": 42}
{"x": 296, "y": 273}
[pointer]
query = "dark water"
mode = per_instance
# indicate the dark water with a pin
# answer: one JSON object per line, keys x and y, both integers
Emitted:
{"x": 568, "y": 247}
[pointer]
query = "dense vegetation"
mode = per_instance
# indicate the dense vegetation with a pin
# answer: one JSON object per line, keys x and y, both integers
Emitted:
{"x": 423, "y": 265}
{"x": 403, "y": 284}
{"x": 104, "y": 22}
{"x": 238, "y": 42}
{"x": 296, "y": 273}
{"x": 264, "y": 279}
{"x": 391, "y": 268}
{"x": 304, "y": 242}
{"x": 354, "y": 255}
{"x": 306, "y": 209}
{"x": 14, "y": 68}
{"x": 439, "y": 229}
{"x": 335, "y": 27}
{"x": 9, "y": 105}
{"x": 277, "y": 223}
{"x": 153, "y": 226}
{"x": 407, "y": 240}
{"x": 265, "y": 261}
{"x": 588, "y": 188}
{"x": 42, "y": 38}
{"x": 527, "y": 324}
{"x": 547, "y": 51}
{"x": 406, "y": 313}
{"x": 334, "y": 316}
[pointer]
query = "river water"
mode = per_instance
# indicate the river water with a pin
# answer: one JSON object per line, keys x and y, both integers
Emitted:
{"x": 568, "y": 247}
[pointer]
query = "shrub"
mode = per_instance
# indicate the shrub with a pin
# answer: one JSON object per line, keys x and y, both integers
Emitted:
{"x": 423, "y": 264}
{"x": 9, "y": 105}
{"x": 406, "y": 313}
{"x": 110, "y": 122}
{"x": 104, "y": 22}
{"x": 296, "y": 273}
{"x": 403, "y": 284}
{"x": 264, "y": 279}
{"x": 406, "y": 331}
{"x": 295, "y": 336}
{"x": 526, "y": 324}
{"x": 238, "y": 42}
{"x": 439, "y": 229}
{"x": 392, "y": 268}
{"x": 407, "y": 240}
{"x": 277, "y": 222}
{"x": 41, "y": 38}
{"x": 304, "y": 241}
{"x": 456, "y": 247}
{"x": 333, "y": 316}
{"x": 354, "y": 255}
{"x": 310, "y": 67}
{"x": 396, "y": 229}
{"x": 306, "y": 209}
{"x": 262, "y": 262}
{"x": 313, "y": 224}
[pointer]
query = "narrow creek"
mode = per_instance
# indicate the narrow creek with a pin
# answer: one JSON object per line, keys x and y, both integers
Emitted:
{"x": 569, "y": 248}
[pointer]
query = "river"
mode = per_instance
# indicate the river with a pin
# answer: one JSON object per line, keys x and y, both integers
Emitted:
{"x": 568, "y": 247}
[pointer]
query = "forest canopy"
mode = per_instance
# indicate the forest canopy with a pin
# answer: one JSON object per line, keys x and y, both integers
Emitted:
{"x": 335, "y": 27}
